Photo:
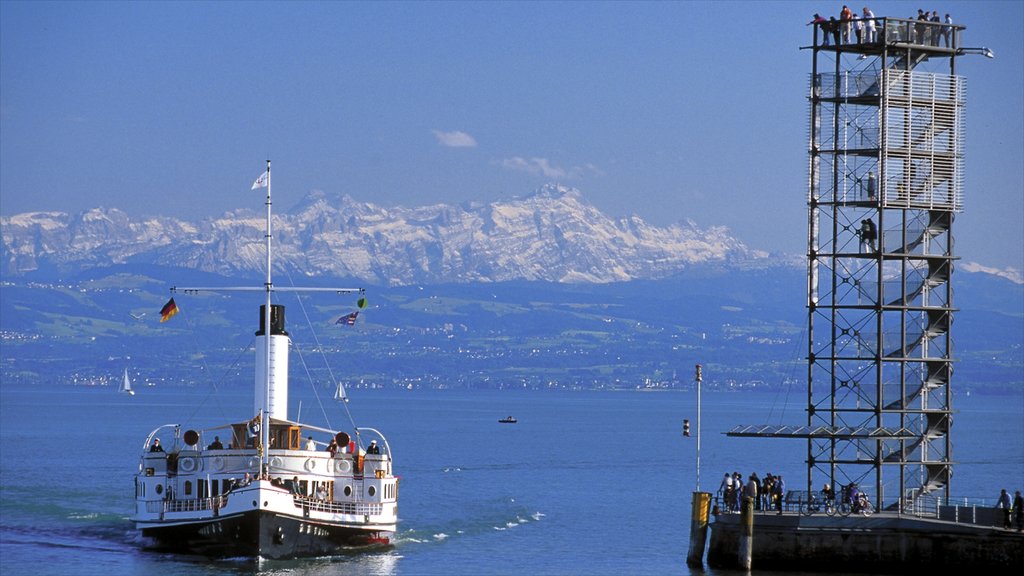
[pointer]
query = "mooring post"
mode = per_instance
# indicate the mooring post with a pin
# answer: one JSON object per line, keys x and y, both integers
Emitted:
{"x": 746, "y": 550}
{"x": 699, "y": 515}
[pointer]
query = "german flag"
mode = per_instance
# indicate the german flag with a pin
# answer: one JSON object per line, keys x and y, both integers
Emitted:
{"x": 169, "y": 309}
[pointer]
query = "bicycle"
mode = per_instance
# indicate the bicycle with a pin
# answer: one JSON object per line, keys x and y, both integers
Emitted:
{"x": 814, "y": 505}
{"x": 864, "y": 506}
{"x": 860, "y": 505}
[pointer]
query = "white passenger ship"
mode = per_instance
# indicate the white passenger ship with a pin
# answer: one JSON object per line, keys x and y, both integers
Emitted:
{"x": 219, "y": 492}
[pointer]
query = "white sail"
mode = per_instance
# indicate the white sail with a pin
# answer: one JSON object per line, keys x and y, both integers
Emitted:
{"x": 126, "y": 384}
{"x": 339, "y": 393}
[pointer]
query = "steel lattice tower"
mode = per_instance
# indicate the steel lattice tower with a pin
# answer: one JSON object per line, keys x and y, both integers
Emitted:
{"x": 885, "y": 182}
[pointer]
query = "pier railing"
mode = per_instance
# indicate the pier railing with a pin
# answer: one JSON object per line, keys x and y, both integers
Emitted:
{"x": 971, "y": 511}
{"x": 975, "y": 511}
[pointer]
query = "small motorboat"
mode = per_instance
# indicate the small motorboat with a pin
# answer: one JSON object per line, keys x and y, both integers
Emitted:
{"x": 508, "y": 420}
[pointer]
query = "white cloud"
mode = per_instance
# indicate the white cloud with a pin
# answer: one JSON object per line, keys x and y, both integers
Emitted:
{"x": 456, "y": 139}
{"x": 543, "y": 167}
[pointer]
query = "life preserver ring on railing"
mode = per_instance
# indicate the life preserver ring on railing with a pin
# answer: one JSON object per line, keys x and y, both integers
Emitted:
{"x": 310, "y": 464}
{"x": 343, "y": 466}
{"x": 218, "y": 463}
{"x": 276, "y": 462}
{"x": 253, "y": 462}
{"x": 187, "y": 464}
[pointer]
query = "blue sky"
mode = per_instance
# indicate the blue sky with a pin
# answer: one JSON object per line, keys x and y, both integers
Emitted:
{"x": 668, "y": 110}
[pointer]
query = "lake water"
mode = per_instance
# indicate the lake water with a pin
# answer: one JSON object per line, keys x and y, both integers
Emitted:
{"x": 586, "y": 483}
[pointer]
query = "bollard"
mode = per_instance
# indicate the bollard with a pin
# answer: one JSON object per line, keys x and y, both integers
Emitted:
{"x": 746, "y": 550}
{"x": 698, "y": 528}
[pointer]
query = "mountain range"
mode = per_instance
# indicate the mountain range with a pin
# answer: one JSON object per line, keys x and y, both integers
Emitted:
{"x": 539, "y": 291}
{"x": 552, "y": 235}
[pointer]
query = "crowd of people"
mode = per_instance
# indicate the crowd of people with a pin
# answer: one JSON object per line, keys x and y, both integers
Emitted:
{"x": 854, "y": 28}
{"x": 767, "y": 494}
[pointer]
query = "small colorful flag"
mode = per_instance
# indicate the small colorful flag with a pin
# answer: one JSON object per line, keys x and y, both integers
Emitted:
{"x": 349, "y": 319}
{"x": 169, "y": 309}
{"x": 262, "y": 181}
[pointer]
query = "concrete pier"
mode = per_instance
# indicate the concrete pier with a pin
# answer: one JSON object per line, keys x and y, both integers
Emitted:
{"x": 880, "y": 543}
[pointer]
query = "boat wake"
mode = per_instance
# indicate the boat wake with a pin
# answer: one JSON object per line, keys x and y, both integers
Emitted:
{"x": 487, "y": 523}
{"x": 98, "y": 532}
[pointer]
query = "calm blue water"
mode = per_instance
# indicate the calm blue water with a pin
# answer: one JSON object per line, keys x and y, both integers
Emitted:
{"x": 585, "y": 483}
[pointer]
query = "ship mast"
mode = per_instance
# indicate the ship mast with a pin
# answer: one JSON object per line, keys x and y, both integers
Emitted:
{"x": 268, "y": 286}
{"x": 271, "y": 386}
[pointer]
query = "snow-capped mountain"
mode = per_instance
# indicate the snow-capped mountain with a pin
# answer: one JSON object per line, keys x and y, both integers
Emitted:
{"x": 552, "y": 235}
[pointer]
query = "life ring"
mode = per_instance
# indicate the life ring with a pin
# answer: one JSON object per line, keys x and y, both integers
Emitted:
{"x": 343, "y": 466}
{"x": 276, "y": 462}
{"x": 187, "y": 464}
{"x": 218, "y": 463}
{"x": 252, "y": 462}
{"x": 310, "y": 464}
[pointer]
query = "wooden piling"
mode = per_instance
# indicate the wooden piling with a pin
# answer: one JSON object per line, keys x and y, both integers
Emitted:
{"x": 699, "y": 516}
{"x": 746, "y": 550}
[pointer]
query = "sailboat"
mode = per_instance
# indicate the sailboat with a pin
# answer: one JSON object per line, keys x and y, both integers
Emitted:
{"x": 268, "y": 490}
{"x": 339, "y": 393}
{"x": 126, "y": 384}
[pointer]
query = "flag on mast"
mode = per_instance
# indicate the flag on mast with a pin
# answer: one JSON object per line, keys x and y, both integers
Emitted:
{"x": 262, "y": 181}
{"x": 169, "y": 309}
{"x": 349, "y": 319}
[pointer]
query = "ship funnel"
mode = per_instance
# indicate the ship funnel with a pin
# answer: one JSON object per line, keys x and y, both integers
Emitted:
{"x": 275, "y": 385}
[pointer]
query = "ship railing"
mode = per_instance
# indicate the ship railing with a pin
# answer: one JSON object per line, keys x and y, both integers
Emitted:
{"x": 358, "y": 508}
{"x": 188, "y": 505}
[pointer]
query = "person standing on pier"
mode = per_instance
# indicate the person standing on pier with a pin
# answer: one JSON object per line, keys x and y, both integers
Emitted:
{"x": 779, "y": 493}
{"x": 725, "y": 489}
{"x": 750, "y": 491}
{"x": 1018, "y": 510}
{"x": 1004, "y": 503}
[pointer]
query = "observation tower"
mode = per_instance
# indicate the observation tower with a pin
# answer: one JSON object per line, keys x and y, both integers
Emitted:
{"x": 885, "y": 182}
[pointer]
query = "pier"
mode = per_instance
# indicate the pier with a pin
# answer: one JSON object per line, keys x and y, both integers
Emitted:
{"x": 885, "y": 542}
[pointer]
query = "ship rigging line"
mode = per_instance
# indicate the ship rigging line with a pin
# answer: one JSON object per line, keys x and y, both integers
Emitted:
{"x": 201, "y": 353}
{"x": 320, "y": 349}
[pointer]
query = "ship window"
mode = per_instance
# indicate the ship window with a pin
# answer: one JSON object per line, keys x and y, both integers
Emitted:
{"x": 188, "y": 488}
{"x": 348, "y": 490}
{"x": 371, "y": 490}
{"x": 159, "y": 489}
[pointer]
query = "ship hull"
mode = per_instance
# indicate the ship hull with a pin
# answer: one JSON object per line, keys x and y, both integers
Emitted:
{"x": 261, "y": 533}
